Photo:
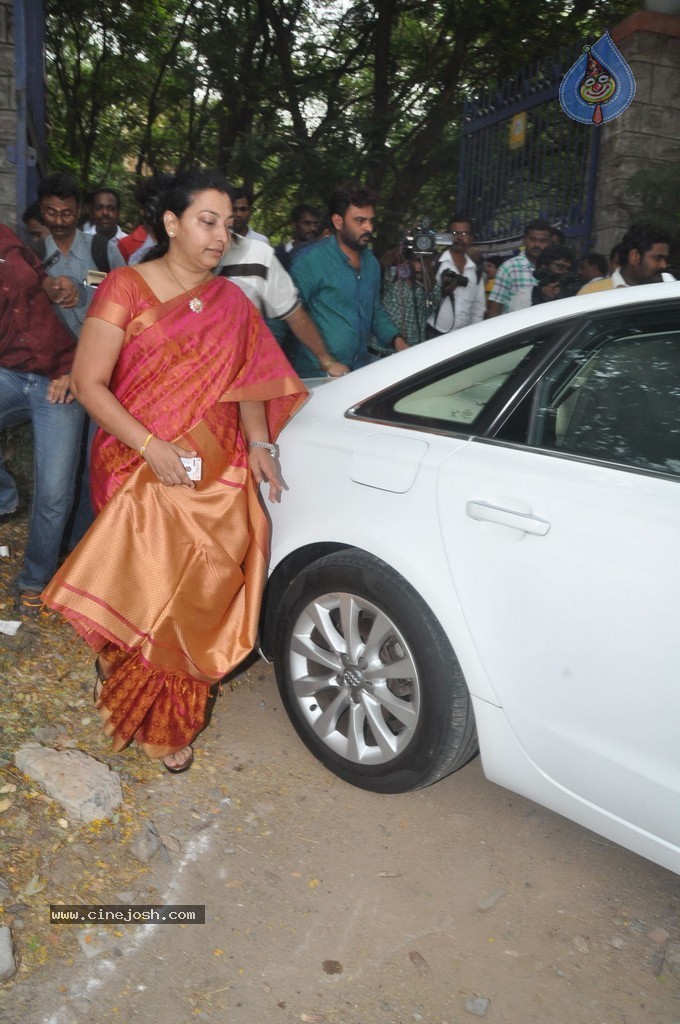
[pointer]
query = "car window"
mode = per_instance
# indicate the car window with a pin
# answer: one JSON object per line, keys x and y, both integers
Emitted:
{"x": 456, "y": 395}
{"x": 461, "y": 396}
{"x": 615, "y": 395}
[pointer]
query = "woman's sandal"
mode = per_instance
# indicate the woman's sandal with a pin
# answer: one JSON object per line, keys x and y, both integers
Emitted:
{"x": 184, "y": 767}
{"x": 174, "y": 770}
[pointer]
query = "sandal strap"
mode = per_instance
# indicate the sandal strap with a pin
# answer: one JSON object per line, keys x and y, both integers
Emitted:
{"x": 31, "y": 605}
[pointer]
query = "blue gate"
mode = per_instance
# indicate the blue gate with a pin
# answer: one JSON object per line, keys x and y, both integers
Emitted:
{"x": 29, "y": 150}
{"x": 522, "y": 157}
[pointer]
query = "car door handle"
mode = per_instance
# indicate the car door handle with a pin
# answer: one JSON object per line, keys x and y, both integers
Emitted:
{"x": 486, "y": 513}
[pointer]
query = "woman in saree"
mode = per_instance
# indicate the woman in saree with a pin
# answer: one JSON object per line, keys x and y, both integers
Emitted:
{"x": 174, "y": 363}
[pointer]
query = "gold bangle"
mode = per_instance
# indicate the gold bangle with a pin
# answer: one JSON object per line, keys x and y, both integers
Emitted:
{"x": 327, "y": 363}
{"x": 144, "y": 446}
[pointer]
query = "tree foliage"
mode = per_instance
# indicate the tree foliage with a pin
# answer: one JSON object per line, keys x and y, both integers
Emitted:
{"x": 290, "y": 96}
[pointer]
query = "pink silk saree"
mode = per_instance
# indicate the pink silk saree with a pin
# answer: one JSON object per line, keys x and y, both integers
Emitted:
{"x": 167, "y": 582}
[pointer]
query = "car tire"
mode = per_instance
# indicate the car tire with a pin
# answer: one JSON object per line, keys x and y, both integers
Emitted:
{"x": 346, "y": 626}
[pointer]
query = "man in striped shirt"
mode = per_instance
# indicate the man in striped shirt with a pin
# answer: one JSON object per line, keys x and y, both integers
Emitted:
{"x": 518, "y": 273}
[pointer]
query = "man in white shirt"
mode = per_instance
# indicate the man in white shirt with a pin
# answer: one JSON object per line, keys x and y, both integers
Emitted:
{"x": 254, "y": 268}
{"x": 305, "y": 221}
{"x": 104, "y": 214}
{"x": 463, "y": 299}
{"x": 645, "y": 257}
{"x": 242, "y": 203}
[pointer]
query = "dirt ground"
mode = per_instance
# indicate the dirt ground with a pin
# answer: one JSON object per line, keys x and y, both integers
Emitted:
{"x": 323, "y": 903}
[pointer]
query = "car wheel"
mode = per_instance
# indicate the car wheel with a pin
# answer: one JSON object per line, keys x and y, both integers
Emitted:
{"x": 369, "y": 678}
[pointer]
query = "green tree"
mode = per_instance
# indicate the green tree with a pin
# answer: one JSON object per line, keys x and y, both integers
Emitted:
{"x": 291, "y": 96}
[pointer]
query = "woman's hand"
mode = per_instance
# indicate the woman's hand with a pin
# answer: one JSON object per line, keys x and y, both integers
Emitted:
{"x": 265, "y": 467}
{"x": 164, "y": 459}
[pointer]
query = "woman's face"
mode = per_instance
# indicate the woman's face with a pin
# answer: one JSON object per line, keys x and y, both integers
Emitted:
{"x": 200, "y": 237}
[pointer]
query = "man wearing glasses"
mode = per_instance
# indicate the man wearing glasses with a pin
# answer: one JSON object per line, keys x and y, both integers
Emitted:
{"x": 463, "y": 299}
{"x": 68, "y": 251}
{"x": 80, "y": 262}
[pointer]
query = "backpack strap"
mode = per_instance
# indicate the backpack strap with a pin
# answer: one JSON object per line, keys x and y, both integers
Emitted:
{"x": 100, "y": 253}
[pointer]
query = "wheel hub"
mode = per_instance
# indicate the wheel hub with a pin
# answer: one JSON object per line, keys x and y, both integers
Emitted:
{"x": 352, "y": 681}
{"x": 352, "y": 677}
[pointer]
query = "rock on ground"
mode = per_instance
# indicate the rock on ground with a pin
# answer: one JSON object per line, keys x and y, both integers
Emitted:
{"x": 479, "y": 1006}
{"x": 86, "y": 789}
{"x": 7, "y": 964}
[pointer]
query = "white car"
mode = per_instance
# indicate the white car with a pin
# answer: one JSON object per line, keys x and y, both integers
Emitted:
{"x": 480, "y": 546}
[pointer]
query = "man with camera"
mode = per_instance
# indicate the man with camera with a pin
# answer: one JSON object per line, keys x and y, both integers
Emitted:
{"x": 410, "y": 292}
{"x": 518, "y": 272}
{"x": 554, "y": 279}
{"x": 463, "y": 299}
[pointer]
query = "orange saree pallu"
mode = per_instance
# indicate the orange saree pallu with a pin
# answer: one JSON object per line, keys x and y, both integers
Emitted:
{"x": 167, "y": 582}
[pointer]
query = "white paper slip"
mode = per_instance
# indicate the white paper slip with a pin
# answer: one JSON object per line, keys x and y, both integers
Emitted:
{"x": 9, "y": 628}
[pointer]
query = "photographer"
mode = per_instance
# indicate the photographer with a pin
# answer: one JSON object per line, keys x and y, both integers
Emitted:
{"x": 463, "y": 300}
{"x": 410, "y": 293}
{"x": 554, "y": 276}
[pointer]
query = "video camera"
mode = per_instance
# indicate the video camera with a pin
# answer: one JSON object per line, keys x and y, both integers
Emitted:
{"x": 570, "y": 282}
{"x": 423, "y": 240}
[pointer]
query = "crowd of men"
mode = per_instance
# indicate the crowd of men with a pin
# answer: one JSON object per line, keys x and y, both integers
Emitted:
{"x": 463, "y": 286}
{"x": 326, "y": 298}
{"x": 331, "y": 304}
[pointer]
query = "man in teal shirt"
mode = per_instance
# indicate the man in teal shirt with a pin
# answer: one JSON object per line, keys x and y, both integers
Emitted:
{"x": 339, "y": 283}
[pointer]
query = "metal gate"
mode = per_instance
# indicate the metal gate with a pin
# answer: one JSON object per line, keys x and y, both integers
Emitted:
{"x": 28, "y": 153}
{"x": 522, "y": 157}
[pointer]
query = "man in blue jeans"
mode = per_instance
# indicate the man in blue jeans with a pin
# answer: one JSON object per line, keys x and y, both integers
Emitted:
{"x": 72, "y": 253}
{"x": 36, "y": 353}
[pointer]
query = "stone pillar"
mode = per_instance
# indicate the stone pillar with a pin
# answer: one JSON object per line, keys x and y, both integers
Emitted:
{"x": 8, "y": 113}
{"x": 647, "y": 134}
{"x": 16, "y": 443}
